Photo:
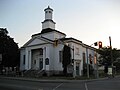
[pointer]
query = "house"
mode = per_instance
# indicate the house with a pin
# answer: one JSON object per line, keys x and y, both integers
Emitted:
{"x": 43, "y": 52}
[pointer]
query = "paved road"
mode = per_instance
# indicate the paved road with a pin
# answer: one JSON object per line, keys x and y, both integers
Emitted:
{"x": 9, "y": 84}
{"x": 111, "y": 84}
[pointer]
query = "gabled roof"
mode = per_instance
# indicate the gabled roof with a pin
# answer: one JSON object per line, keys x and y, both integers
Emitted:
{"x": 40, "y": 38}
{"x": 47, "y": 31}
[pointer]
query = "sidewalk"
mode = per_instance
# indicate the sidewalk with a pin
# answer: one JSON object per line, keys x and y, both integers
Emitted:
{"x": 57, "y": 80}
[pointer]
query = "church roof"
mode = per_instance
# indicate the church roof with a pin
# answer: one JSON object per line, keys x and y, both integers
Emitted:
{"x": 77, "y": 41}
{"x": 66, "y": 39}
{"x": 48, "y": 20}
{"x": 48, "y": 8}
{"x": 47, "y": 31}
{"x": 40, "y": 38}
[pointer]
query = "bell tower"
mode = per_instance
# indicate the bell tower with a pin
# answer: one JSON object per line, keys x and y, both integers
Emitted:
{"x": 48, "y": 22}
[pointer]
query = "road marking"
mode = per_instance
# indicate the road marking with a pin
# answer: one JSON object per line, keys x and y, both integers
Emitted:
{"x": 86, "y": 87}
{"x": 58, "y": 86}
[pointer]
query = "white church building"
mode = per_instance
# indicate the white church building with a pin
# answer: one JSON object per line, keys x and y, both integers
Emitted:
{"x": 43, "y": 52}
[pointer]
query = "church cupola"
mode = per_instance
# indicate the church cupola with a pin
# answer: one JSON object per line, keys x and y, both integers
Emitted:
{"x": 48, "y": 22}
{"x": 48, "y": 13}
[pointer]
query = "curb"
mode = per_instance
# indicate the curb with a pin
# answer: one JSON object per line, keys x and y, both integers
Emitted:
{"x": 49, "y": 81}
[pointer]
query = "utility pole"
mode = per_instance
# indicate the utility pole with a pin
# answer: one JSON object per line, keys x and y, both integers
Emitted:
{"x": 88, "y": 76}
{"x": 111, "y": 55}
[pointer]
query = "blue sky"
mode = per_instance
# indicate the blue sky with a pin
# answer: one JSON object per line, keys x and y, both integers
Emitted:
{"x": 86, "y": 20}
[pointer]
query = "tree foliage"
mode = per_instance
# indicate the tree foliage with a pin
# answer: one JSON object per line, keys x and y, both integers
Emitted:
{"x": 9, "y": 49}
{"x": 3, "y": 32}
{"x": 105, "y": 55}
{"x": 66, "y": 58}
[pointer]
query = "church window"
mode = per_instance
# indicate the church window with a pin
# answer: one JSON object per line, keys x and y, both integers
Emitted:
{"x": 23, "y": 59}
{"x": 60, "y": 56}
{"x": 49, "y": 11}
{"x": 90, "y": 58}
{"x": 47, "y": 61}
{"x": 84, "y": 59}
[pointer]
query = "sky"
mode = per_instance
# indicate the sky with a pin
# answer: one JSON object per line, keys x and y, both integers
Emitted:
{"x": 86, "y": 20}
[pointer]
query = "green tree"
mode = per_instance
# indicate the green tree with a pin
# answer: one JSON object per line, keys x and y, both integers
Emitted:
{"x": 105, "y": 58}
{"x": 66, "y": 58}
{"x": 9, "y": 49}
{"x": 105, "y": 55}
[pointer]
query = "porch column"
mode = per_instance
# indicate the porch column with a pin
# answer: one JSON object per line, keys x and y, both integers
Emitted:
{"x": 29, "y": 59}
{"x": 47, "y": 56}
{"x": 44, "y": 57}
{"x": 26, "y": 60}
{"x": 80, "y": 69}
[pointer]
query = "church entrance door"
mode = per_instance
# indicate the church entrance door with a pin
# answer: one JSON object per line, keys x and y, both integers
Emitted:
{"x": 40, "y": 63}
